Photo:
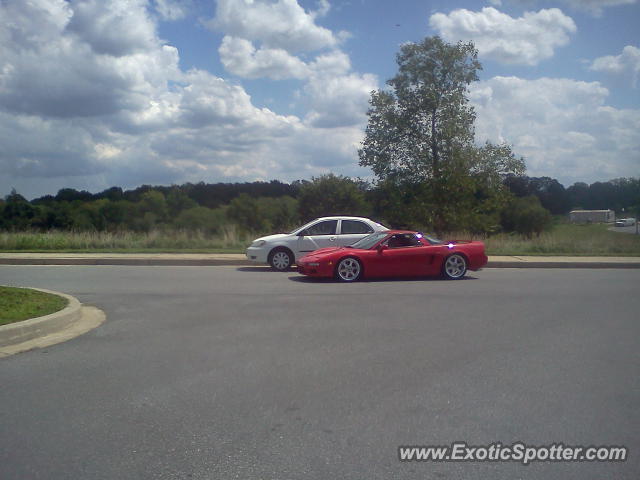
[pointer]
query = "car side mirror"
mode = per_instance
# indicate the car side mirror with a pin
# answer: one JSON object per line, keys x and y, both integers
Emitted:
{"x": 382, "y": 248}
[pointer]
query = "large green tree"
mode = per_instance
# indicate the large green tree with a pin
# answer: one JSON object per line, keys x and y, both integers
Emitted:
{"x": 420, "y": 140}
{"x": 332, "y": 195}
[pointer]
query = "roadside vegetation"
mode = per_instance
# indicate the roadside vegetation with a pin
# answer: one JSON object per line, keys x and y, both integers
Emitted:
{"x": 22, "y": 303}
{"x": 559, "y": 239}
{"x": 430, "y": 174}
{"x": 566, "y": 239}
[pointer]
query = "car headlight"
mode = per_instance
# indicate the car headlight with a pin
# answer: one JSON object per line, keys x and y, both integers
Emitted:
{"x": 258, "y": 243}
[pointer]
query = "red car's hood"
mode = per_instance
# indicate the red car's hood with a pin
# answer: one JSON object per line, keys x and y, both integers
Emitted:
{"x": 321, "y": 252}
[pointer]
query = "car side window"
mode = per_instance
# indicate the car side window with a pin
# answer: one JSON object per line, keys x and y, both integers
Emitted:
{"x": 328, "y": 227}
{"x": 401, "y": 240}
{"x": 354, "y": 227}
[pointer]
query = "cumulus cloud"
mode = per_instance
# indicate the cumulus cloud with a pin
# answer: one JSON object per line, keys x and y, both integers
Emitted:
{"x": 56, "y": 62}
{"x": 86, "y": 103}
{"x": 335, "y": 95}
{"x": 240, "y": 57}
{"x": 526, "y": 40}
{"x": 282, "y": 24}
{"x": 562, "y": 127}
{"x": 625, "y": 64}
{"x": 172, "y": 9}
{"x": 596, "y": 6}
{"x": 323, "y": 9}
{"x": 339, "y": 100}
{"x": 116, "y": 27}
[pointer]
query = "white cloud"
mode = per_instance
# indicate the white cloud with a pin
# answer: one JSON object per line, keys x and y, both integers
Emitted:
{"x": 172, "y": 9}
{"x": 625, "y": 64}
{"x": 562, "y": 127}
{"x": 335, "y": 96}
{"x": 526, "y": 40}
{"x": 81, "y": 108}
{"x": 323, "y": 8}
{"x": 596, "y": 6}
{"x": 60, "y": 62}
{"x": 241, "y": 58}
{"x": 280, "y": 24}
{"x": 115, "y": 27}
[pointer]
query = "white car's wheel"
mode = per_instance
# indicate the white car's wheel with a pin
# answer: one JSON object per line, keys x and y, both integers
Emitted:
{"x": 454, "y": 267}
{"x": 349, "y": 269}
{"x": 280, "y": 259}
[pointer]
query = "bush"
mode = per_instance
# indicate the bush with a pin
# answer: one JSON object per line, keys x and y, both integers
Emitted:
{"x": 526, "y": 216}
{"x": 263, "y": 214}
{"x": 200, "y": 218}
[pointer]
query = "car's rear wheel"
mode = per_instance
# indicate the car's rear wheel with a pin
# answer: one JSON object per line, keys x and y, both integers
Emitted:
{"x": 454, "y": 267}
{"x": 349, "y": 269}
{"x": 281, "y": 259}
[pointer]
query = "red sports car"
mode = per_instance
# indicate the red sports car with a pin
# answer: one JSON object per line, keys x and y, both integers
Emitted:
{"x": 395, "y": 253}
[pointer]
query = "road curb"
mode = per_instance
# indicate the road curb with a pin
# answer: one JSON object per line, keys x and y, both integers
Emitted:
{"x": 534, "y": 264}
{"x": 71, "y": 321}
{"x": 186, "y": 260}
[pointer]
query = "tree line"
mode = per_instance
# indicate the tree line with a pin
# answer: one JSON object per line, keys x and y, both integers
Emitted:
{"x": 275, "y": 205}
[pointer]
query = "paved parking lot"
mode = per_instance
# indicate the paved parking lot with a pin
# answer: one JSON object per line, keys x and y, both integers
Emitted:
{"x": 240, "y": 372}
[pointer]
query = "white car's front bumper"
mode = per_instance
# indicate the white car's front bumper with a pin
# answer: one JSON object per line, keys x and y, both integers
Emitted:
{"x": 257, "y": 254}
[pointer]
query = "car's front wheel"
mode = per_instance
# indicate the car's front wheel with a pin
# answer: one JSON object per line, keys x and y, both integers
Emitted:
{"x": 349, "y": 269}
{"x": 454, "y": 267}
{"x": 281, "y": 259}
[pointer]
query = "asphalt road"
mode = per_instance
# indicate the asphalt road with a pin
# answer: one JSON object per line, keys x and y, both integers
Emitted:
{"x": 240, "y": 372}
{"x": 630, "y": 229}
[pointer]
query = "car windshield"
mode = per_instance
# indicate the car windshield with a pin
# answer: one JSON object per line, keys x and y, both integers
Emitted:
{"x": 299, "y": 229}
{"x": 368, "y": 241}
{"x": 432, "y": 240}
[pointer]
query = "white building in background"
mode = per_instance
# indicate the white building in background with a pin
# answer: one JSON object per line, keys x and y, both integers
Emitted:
{"x": 592, "y": 216}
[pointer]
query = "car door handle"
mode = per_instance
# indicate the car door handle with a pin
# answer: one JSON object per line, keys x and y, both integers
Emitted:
{"x": 333, "y": 239}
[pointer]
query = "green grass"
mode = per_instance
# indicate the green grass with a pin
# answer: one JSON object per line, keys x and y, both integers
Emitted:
{"x": 22, "y": 303}
{"x": 563, "y": 239}
{"x": 568, "y": 240}
{"x": 228, "y": 241}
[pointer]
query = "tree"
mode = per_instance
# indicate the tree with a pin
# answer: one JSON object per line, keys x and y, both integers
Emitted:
{"x": 550, "y": 192}
{"x": 332, "y": 195}
{"x": 420, "y": 134}
{"x": 246, "y": 213}
{"x": 18, "y": 213}
{"x": 178, "y": 200}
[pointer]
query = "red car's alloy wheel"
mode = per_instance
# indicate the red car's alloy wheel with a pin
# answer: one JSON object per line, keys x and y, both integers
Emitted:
{"x": 455, "y": 267}
{"x": 348, "y": 269}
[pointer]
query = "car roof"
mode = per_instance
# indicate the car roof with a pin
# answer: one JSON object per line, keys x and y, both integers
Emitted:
{"x": 345, "y": 217}
{"x": 394, "y": 231}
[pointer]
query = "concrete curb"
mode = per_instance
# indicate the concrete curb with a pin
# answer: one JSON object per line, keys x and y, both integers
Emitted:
{"x": 534, "y": 264}
{"x": 238, "y": 260}
{"x": 71, "y": 321}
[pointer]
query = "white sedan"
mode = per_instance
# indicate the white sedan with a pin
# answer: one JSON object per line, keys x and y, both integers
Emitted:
{"x": 281, "y": 250}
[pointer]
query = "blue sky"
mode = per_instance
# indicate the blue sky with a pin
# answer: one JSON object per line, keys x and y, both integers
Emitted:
{"x": 96, "y": 93}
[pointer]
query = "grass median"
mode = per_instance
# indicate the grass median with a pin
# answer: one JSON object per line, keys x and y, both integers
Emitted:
{"x": 567, "y": 240}
{"x": 18, "y": 304}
